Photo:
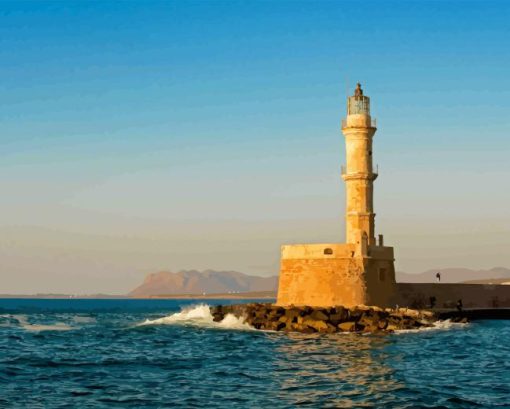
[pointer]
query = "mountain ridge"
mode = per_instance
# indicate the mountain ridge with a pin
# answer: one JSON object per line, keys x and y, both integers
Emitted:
{"x": 222, "y": 282}
{"x": 200, "y": 282}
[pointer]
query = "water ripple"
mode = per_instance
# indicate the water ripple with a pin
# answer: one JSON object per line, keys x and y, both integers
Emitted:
{"x": 107, "y": 360}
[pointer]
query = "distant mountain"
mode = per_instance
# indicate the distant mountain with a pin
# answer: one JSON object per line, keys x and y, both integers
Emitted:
{"x": 222, "y": 282}
{"x": 454, "y": 275}
{"x": 196, "y": 282}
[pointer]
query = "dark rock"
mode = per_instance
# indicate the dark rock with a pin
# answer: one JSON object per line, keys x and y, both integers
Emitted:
{"x": 347, "y": 326}
{"x": 218, "y": 317}
{"x": 318, "y": 325}
{"x": 367, "y": 318}
{"x": 392, "y": 328}
{"x": 395, "y": 320}
{"x": 459, "y": 319}
{"x": 383, "y": 324}
{"x": 292, "y": 314}
{"x": 355, "y": 314}
{"x": 372, "y": 328}
{"x": 336, "y": 319}
{"x": 338, "y": 315}
{"x": 331, "y": 328}
{"x": 360, "y": 327}
{"x": 327, "y": 320}
{"x": 319, "y": 315}
{"x": 306, "y": 311}
{"x": 284, "y": 319}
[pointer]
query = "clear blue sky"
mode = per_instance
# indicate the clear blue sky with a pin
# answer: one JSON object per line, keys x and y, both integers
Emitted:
{"x": 142, "y": 136}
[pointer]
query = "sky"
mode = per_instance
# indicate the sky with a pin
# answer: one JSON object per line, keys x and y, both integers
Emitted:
{"x": 146, "y": 136}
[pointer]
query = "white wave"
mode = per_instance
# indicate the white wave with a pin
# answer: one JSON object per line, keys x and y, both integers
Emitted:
{"x": 58, "y": 326}
{"x": 436, "y": 326}
{"x": 232, "y": 322}
{"x": 27, "y": 326}
{"x": 201, "y": 316}
{"x": 80, "y": 319}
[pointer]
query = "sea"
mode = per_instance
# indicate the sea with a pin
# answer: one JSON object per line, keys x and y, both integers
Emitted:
{"x": 126, "y": 353}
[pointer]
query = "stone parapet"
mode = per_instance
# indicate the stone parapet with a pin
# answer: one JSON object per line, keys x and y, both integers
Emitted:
{"x": 317, "y": 251}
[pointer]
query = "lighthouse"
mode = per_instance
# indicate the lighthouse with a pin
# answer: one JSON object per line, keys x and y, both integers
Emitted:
{"x": 360, "y": 271}
{"x": 358, "y": 174}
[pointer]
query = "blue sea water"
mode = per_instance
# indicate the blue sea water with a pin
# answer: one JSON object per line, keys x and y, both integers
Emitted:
{"x": 148, "y": 354}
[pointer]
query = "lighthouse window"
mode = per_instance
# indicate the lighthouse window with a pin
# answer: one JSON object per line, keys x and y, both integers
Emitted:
{"x": 328, "y": 251}
{"x": 382, "y": 274}
{"x": 370, "y": 153}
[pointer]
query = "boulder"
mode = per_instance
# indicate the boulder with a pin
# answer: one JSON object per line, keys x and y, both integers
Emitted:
{"x": 318, "y": 325}
{"x": 347, "y": 326}
{"x": 338, "y": 315}
{"x": 327, "y": 320}
{"x": 372, "y": 328}
{"x": 331, "y": 328}
{"x": 368, "y": 318}
{"x": 382, "y": 324}
{"x": 306, "y": 311}
{"x": 319, "y": 315}
{"x": 336, "y": 319}
{"x": 292, "y": 314}
{"x": 218, "y": 317}
{"x": 355, "y": 314}
{"x": 392, "y": 328}
{"x": 284, "y": 319}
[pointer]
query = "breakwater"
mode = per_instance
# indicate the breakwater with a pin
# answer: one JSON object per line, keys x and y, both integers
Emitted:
{"x": 328, "y": 320}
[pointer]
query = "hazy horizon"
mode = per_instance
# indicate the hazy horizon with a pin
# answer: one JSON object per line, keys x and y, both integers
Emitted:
{"x": 140, "y": 137}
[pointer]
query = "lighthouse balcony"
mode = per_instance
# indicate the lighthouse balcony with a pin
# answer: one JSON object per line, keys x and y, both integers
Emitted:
{"x": 359, "y": 121}
{"x": 359, "y": 175}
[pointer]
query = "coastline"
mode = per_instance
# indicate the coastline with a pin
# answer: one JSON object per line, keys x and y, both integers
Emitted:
{"x": 269, "y": 295}
{"x": 255, "y": 295}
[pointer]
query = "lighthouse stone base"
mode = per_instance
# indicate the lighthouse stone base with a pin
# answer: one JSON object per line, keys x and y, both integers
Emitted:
{"x": 322, "y": 275}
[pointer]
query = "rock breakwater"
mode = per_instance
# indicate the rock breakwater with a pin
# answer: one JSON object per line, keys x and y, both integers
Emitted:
{"x": 326, "y": 320}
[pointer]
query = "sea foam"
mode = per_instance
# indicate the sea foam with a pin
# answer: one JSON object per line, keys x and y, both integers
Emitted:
{"x": 23, "y": 322}
{"x": 436, "y": 326}
{"x": 199, "y": 315}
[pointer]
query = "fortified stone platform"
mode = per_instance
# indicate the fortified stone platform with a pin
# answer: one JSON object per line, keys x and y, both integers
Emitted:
{"x": 336, "y": 274}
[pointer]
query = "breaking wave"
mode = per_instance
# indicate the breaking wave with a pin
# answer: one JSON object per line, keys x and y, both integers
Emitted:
{"x": 437, "y": 326}
{"x": 199, "y": 315}
{"x": 22, "y": 321}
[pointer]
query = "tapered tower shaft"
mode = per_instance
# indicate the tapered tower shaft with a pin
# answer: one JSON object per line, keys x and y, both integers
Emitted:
{"x": 358, "y": 174}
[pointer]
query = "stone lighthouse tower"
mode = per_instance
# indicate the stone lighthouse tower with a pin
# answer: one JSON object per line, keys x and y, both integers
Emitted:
{"x": 361, "y": 270}
{"x": 358, "y": 174}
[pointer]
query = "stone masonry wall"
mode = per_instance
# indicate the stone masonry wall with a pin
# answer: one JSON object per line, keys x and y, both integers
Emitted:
{"x": 322, "y": 275}
{"x": 472, "y": 295}
{"x": 321, "y": 282}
